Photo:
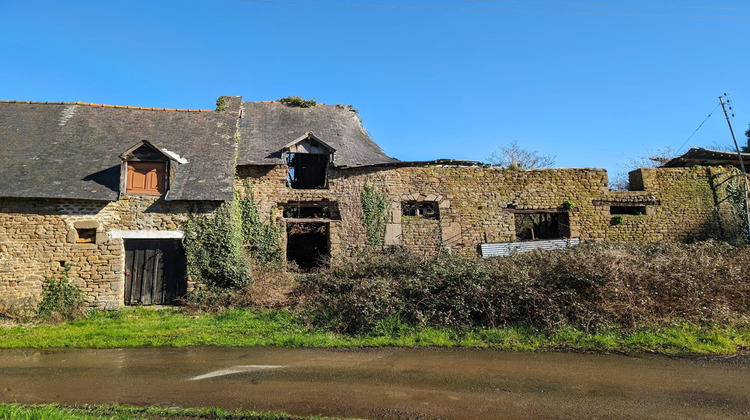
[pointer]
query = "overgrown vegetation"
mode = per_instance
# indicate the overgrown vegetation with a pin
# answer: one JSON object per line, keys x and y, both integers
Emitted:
{"x": 592, "y": 287}
{"x": 298, "y": 101}
{"x": 61, "y": 300}
{"x": 121, "y": 412}
{"x": 214, "y": 249}
{"x": 263, "y": 240}
{"x": 374, "y": 215}
{"x": 221, "y": 104}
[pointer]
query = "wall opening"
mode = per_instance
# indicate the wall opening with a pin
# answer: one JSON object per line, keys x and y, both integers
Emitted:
{"x": 307, "y": 171}
{"x": 154, "y": 271}
{"x": 310, "y": 210}
{"x": 533, "y": 226}
{"x": 629, "y": 210}
{"x": 307, "y": 244}
{"x": 85, "y": 236}
{"x": 420, "y": 209}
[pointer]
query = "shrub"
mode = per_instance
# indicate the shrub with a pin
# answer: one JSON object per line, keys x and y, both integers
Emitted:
{"x": 61, "y": 300}
{"x": 592, "y": 286}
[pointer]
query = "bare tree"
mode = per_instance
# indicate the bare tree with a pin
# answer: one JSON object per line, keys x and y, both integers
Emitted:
{"x": 653, "y": 159}
{"x": 515, "y": 157}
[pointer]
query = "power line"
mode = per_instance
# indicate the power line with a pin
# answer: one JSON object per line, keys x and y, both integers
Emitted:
{"x": 696, "y": 130}
{"x": 474, "y": 10}
{"x": 613, "y": 5}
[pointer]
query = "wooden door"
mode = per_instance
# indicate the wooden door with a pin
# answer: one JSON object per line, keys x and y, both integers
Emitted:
{"x": 154, "y": 271}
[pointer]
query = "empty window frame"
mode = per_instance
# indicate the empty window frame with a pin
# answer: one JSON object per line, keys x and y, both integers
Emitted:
{"x": 420, "y": 209}
{"x": 146, "y": 178}
{"x": 307, "y": 171}
{"x": 533, "y": 226}
{"x": 310, "y": 210}
{"x": 85, "y": 236}
{"x": 627, "y": 210}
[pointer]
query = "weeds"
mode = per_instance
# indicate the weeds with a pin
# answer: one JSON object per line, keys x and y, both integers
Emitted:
{"x": 61, "y": 300}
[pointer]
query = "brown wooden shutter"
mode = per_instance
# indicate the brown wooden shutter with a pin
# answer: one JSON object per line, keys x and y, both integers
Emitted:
{"x": 146, "y": 177}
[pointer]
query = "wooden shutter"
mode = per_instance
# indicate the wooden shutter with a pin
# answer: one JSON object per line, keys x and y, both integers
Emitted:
{"x": 146, "y": 177}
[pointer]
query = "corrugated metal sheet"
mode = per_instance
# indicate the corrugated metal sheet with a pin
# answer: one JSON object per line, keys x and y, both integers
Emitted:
{"x": 502, "y": 249}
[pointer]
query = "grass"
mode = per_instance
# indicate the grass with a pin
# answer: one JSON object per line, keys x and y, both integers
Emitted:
{"x": 140, "y": 327}
{"x": 119, "y": 412}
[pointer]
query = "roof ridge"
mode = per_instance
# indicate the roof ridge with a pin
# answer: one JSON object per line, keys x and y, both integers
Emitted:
{"x": 144, "y": 108}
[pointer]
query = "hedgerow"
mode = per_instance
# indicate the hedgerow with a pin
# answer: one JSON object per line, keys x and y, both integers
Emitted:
{"x": 592, "y": 287}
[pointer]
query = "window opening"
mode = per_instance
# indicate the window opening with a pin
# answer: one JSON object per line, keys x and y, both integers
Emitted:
{"x": 533, "y": 226}
{"x": 629, "y": 210}
{"x": 309, "y": 211}
{"x": 420, "y": 209}
{"x": 146, "y": 177}
{"x": 307, "y": 171}
{"x": 307, "y": 244}
{"x": 86, "y": 236}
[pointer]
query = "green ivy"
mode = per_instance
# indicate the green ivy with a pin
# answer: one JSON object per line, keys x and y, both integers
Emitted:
{"x": 374, "y": 207}
{"x": 262, "y": 239}
{"x": 214, "y": 249}
{"x": 298, "y": 101}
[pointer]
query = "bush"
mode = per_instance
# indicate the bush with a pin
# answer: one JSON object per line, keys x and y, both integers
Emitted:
{"x": 214, "y": 249}
{"x": 592, "y": 286}
{"x": 298, "y": 101}
{"x": 61, "y": 300}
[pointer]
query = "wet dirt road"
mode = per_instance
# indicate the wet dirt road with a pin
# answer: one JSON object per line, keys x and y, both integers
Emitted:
{"x": 384, "y": 383}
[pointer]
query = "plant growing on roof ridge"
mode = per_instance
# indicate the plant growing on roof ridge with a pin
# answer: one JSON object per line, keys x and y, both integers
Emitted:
{"x": 221, "y": 104}
{"x": 298, "y": 101}
{"x": 374, "y": 207}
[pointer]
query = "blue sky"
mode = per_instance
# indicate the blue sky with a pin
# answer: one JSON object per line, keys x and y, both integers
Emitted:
{"x": 594, "y": 82}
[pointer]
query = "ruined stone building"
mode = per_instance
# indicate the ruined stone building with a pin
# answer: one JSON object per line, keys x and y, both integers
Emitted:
{"x": 105, "y": 189}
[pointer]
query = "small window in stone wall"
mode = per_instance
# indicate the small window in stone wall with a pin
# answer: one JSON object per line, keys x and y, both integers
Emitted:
{"x": 628, "y": 210}
{"x": 86, "y": 236}
{"x": 420, "y": 209}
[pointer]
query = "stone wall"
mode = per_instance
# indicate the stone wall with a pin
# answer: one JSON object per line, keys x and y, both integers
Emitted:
{"x": 38, "y": 238}
{"x": 479, "y": 204}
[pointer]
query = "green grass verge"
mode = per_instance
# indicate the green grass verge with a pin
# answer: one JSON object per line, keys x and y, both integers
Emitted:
{"x": 139, "y": 327}
{"x": 118, "y": 412}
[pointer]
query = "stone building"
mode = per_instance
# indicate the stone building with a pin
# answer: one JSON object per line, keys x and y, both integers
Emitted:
{"x": 105, "y": 190}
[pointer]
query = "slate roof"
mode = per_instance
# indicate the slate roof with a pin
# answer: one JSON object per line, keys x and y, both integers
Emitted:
{"x": 71, "y": 150}
{"x": 266, "y": 127}
{"x": 708, "y": 157}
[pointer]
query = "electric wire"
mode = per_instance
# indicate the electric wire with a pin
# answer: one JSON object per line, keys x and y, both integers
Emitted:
{"x": 696, "y": 130}
{"x": 476, "y": 10}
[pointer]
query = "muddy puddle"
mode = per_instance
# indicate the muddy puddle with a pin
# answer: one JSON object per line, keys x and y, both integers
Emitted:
{"x": 384, "y": 383}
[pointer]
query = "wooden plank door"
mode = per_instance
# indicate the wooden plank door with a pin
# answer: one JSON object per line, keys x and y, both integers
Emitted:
{"x": 154, "y": 271}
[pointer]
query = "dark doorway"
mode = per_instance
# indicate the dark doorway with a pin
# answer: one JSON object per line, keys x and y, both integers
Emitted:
{"x": 154, "y": 271}
{"x": 533, "y": 226}
{"x": 307, "y": 244}
{"x": 307, "y": 170}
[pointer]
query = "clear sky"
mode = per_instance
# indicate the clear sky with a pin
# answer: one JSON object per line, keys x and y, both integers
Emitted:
{"x": 593, "y": 82}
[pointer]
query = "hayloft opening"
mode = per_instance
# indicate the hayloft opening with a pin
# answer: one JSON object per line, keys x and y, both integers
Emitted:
{"x": 420, "y": 209}
{"x": 627, "y": 210}
{"x": 307, "y": 244}
{"x": 307, "y": 171}
{"x": 533, "y": 226}
{"x": 86, "y": 236}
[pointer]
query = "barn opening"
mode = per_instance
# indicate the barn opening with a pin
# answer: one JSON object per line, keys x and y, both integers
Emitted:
{"x": 628, "y": 210}
{"x": 531, "y": 226}
{"x": 154, "y": 271}
{"x": 307, "y": 171}
{"x": 307, "y": 244}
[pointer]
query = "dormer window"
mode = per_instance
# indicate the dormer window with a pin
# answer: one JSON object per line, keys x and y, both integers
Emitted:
{"x": 308, "y": 158}
{"x": 146, "y": 169}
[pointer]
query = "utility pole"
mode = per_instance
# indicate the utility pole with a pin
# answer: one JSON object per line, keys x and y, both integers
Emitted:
{"x": 742, "y": 165}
